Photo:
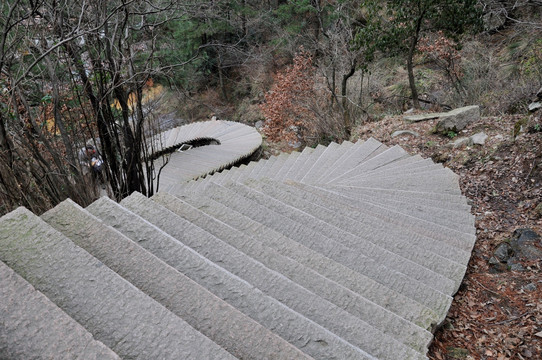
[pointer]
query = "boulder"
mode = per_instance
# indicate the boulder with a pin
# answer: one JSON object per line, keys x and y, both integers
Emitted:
{"x": 457, "y": 119}
{"x": 422, "y": 117}
{"x": 479, "y": 138}
{"x": 404, "y": 132}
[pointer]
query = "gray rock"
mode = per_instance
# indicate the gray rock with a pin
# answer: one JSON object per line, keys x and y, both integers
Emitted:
{"x": 404, "y": 132}
{"x": 525, "y": 244}
{"x": 422, "y": 117}
{"x": 503, "y": 252}
{"x": 259, "y": 124}
{"x": 535, "y": 106}
{"x": 530, "y": 287}
{"x": 525, "y": 235}
{"x": 479, "y": 138}
{"x": 463, "y": 141}
{"x": 515, "y": 266}
{"x": 457, "y": 119}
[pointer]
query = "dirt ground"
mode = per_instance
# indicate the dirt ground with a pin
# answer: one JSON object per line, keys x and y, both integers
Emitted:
{"x": 497, "y": 312}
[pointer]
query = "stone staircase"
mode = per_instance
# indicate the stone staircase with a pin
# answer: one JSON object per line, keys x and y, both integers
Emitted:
{"x": 349, "y": 251}
{"x": 232, "y": 141}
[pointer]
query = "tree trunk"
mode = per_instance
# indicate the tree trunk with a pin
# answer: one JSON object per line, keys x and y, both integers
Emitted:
{"x": 411, "y": 79}
{"x": 346, "y": 112}
{"x": 410, "y": 62}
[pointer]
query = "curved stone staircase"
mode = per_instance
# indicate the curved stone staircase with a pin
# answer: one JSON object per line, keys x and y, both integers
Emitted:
{"x": 232, "y": 142}
{"x": 350, "y": 251}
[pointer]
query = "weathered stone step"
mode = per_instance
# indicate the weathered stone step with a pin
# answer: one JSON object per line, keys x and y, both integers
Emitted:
{"x": 389, "y": 156}
{"x": 413, "y": 197}
{"x": 439, "y": 197}
{"x": 242, "y": 169}
{"x": 290, "y": 161}
{"x": 33, "y": 327}
{"x": 371, "y": 313}
{"x": 271, "y": 171}
{"x": 338, "y": 321}
{"x": 331, "y": 154}
{"x": 436, "y": 180}
{"x": 365, "y": 286}
{"x": 299, "y": 161}
{"x": 335, "y": 250}
{"x": 436, "y": 210}
{"x": 430, "y": 269}
{"x": 336, "y": 222}
{"x": 266, "y": 164}
{"x": 129, "y": 322}
{"x": 381, "y": 219}
{"x": 404, "y": 168}
{"x": 219, "y": 321}
{"x": 303, "y": 333}
{"x": 460, "y": 234}
{"x": 360, "y": 152}
{"x": 303, "y": 168}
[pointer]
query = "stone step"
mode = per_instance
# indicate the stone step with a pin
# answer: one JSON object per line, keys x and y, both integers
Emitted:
{"x": 428, "y": 268}
{"x": 438, "y": 210}
{"x": 171, "y": 139}
{"x": 412, "y": 197}
{"x": 201, "y": 309}
{"x": 432, "y": 196}
{"x": 302, "y": 169}
{"x": 389, "y": 156}
{"x": 340, "y": 225}
{"x": 307, "y": 236}
{"x": 357, "y": 282}
{"x": 33, "y": 327}
{"x": 338, "y": 321}
{"x": 271, "y": 171}
{"x": 441, "y": 180}
{"x": 123, "y": 318}
{"x": 411, "y": 164}
{"x": 378, "y": 317}
{"x": 299, "y": 161}
{"x": 332, "y": 151}
{"x": 345, "y": 148}
{"x": 381, "y": 219}
{"x": 266, "y": 164}
{"x": 290, "y": 161}
{"x": 292, "y": 326}
{"x": 242, "y": 170}
{"x": 357, "y": 154}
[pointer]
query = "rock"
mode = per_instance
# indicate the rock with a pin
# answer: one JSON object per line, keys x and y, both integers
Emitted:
{"x": 479, "y": 138}
{"x": 515, "y": 266}
{"x": 534, "y": 106}
{"x": 503, "y": 252}
{"x": 463, "y": 141}
{"x": 457, "y": 119}
{"x": 530, "y": 287}
{"x": 525, "y": 244}
{"x": 538, "y": 209}
{"x": 493, "y": 261}
{"x": 422, "y": 117}
{"x": 259, "y": 124}
{"x": 525, "y": 235}
{"x": 440, "y": 157}
{"x": 499, "y": 137}
{"x": 411, "y": 110}
{"x": 404, "y": 132}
